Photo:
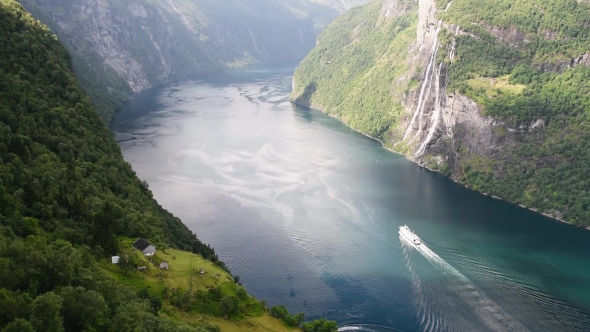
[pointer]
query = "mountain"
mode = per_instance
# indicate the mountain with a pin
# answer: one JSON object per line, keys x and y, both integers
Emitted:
{"x": 341, "y": 5}
{"x": 122, "y": 46}
{"x": 493, "y": 94}
{"x": 69, "y": 201}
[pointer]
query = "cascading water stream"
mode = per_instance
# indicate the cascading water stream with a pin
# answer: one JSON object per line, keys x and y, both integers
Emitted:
{"x": 448, "y": 6}
{"x": 436, "y": 114}
{"x": 452, "y": 53}
{"x": 434, "y": 76}
{"x": 421, "y": 113}
{"x": 424, "y": 91}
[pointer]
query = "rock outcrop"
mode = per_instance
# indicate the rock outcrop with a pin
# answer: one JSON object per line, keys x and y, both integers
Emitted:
{"x": 393, "y": 8}
{"x": 582, "y": 60}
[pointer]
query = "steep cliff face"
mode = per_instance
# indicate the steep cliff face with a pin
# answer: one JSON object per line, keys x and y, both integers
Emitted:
{"x": 490, "y": 94}
{"x": 122, "y": 46}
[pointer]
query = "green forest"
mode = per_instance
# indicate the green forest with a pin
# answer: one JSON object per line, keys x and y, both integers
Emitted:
{"x": 351, "y": 73}
{"x": 69, "y": 201}
{"x": 360, "y": 73}
{"x": 547, "y": 170}
{"x": 66, "y": 195}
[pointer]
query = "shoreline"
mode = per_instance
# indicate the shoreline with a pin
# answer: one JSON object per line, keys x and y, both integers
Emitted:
{"x": 438, "y": 172}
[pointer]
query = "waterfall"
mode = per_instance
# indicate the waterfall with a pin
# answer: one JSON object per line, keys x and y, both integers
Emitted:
{"x": 423, "y": 90}
{"x": 448, "y": 6}
{"x": 437, "y": 113}
{"x": 452, "y": 53}
{"x": 421, "y": 115}
{"x": 421, "y": 100}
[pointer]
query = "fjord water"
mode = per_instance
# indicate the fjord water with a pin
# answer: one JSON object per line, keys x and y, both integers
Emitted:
{"x": 306, "y": 211}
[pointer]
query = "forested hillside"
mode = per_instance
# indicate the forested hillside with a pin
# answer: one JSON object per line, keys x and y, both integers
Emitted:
{"x": 61, "y": 170}
{"x": 349, "y": 73}
{"x": 67, "y": 199}
{"x": 491, "y": 93}
{"x": 68, "y": 202}
{"x": 66, "y": 194}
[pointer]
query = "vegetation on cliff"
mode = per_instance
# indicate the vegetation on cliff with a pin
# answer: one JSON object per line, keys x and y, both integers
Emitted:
{"x": 65, "y": 195}
{"x": 68, "y": 200}
{"x": 546, "y": 170}
{"x": 525, "y": 63}
{"x": 351, "y": 73}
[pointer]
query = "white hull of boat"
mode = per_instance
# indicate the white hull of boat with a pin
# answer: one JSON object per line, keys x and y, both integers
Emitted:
{"x": 409, "y": 235}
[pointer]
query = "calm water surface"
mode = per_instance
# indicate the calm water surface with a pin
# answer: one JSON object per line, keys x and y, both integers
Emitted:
{"x": 306, "y": 212}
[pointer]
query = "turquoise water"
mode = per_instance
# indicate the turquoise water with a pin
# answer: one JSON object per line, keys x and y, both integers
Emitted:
{"x": 306, "y": 211}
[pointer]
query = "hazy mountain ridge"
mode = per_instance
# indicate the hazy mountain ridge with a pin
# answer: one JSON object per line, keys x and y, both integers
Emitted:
{"x": 488, "y": 93}
{"x": 123, "y": 46}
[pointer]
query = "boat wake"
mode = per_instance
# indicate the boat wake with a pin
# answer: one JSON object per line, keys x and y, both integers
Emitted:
{"x": 525, "y": 292}
{"x": 446, "y": 300}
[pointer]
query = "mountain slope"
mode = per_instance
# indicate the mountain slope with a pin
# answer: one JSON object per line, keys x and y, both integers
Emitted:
{"x": 122, "y": 46}
{"x": 68, "y": 201}
{"x": 65, "y": 194}
{"x": 492, "y": 94}
{"x": 59, "y": 162}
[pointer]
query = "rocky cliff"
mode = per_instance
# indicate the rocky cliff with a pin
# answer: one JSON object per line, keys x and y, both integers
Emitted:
{"x": 490, "y": 94}
{"x": 123, "y": 46}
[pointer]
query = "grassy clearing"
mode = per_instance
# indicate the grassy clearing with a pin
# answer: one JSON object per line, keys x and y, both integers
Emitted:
{"x": 197, "y": 286}
{"x": 264, "y": 323}
{"x": 184, "y": 272}
{"x": 492, "y": 88}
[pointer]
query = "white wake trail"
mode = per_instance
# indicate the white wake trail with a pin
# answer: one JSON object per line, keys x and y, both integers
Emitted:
{"x": 494, "y": 317}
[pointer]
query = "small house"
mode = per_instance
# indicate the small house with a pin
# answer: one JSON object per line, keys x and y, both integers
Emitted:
{"x": 144, "y": 246}
{"x": 115, "y": 259}
{"x": 164, "y": 265}
{"x": 142, "y": 268}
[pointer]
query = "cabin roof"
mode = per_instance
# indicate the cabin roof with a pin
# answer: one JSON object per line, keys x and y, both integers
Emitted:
{"x": 141, "y": 244}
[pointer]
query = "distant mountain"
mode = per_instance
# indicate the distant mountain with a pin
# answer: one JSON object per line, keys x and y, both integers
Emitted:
{"x": 121, "y": 46}
{"x": 493, "y": 94}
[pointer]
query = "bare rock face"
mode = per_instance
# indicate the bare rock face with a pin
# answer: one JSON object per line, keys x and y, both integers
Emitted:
{"x": 462, "y": 112}
{"x": 137, "y": 10}
{"x": 583, "y": 60}
{"x": 512, "y": 36}
{"x": 393, "y": 8}
{"x": 427, "y": 20}
{"x": 112, "y": 35}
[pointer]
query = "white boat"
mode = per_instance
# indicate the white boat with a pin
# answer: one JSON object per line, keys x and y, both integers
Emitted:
{"x": 406, "y": 232}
